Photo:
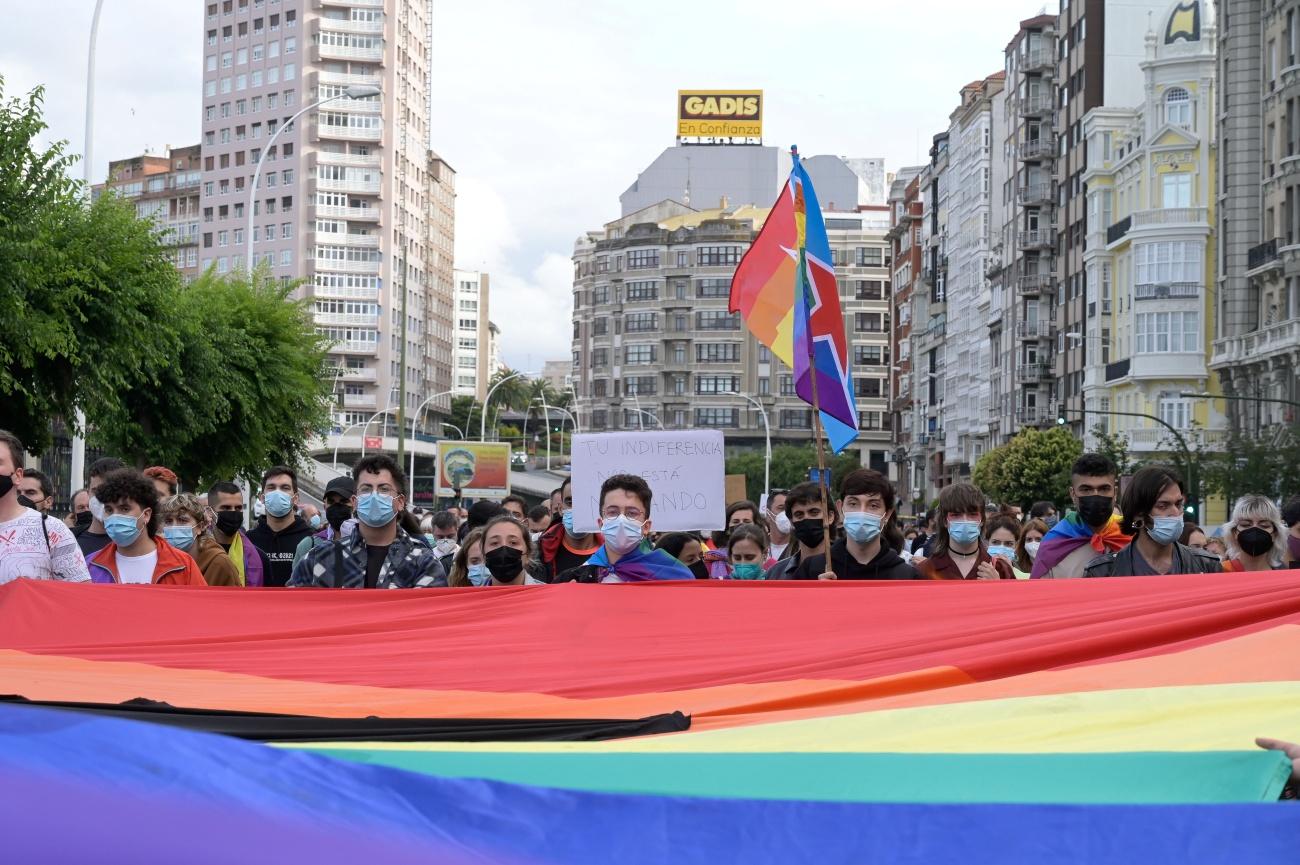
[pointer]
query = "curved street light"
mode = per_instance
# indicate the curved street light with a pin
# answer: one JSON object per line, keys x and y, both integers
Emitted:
{"x": 482, "y": 428}
{"x": 415, "y": 422}
{"x": 456, "y": 428}
{"x": 767, "y": 435}
{"x": 339, "y": 441}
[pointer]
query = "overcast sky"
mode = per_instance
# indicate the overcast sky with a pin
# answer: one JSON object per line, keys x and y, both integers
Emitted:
{"x": 548, "y": 109}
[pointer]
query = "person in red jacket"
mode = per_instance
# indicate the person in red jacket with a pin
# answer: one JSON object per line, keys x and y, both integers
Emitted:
{"x": 136, "y": 553}
{"x": 959, "y": 549}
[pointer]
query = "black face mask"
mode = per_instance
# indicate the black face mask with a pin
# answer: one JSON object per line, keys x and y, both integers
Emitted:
{"x": 85, "y": 518}
{"x": 229, "y": 522}
{"x": 337, "y": 515}
{"x": 505, "y": 563}
{"x": 26, "y": 502}
{"x": 700, "y": 570}
{"x": 6, "y": 484}
{"x": 1096, "y": 511}
{"x": 1254, "y": 542}
{"x": 810, "y": 533}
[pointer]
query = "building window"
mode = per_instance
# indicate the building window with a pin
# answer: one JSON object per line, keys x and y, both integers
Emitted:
{"x": 787, "y": 385}
{"x": 1176, "y": 412}
{"x": 600, "y": 295}
{"x": 598, "y": 387}
{"x": 683, "y": 258}
{"x": 642, "y": 385}
{"x": 643, "y": 291}
{"x": 599, "y": 357}
{"x": 1176, "y": 189}
{"x": 718, "y": 256}
{"x": 636, "y": 355}
{"x": 1178, "y": 261}
{"x": 717, "y": 319}
{"x": 639, "y": 259}
{"x": 1159, "y": 332}
{"x": 717, "y": 417}
{"x": 869, "y": 289}
{"x": 796, "y": 418}
{"x": 870, "y": 256}
{"x": 641, "y": 322}
{"x": 867, "y": 388}
{"x": 713, "y": 288}
{"x": 714, "y": 384}
{"x": 869, "y": 420}
{"x": 1178, "y": 107}
{"x": 870, "y": 355}
{"x": 600, "y": 327}
{"x": 764, "y": 386}
{"x": 868, "y": 322}
{"x": 717, "y": 352}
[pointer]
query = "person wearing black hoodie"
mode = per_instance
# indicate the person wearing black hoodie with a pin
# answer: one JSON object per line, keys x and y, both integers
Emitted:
{"x": 282, "y": 529}
{"x": 810, "y": 529}
{"x": 869, "y": 548}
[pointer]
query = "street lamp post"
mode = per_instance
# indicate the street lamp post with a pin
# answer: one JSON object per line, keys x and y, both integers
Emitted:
{"x": 767, "y": 435}
{"x": 482, "y": 429}
{"x": 415, "y": 422}
{"x": 456, "y": 428}
{"x": 77, "y": 464}
{"x": 339, "y": 441}
{"x": 359, "y": 91}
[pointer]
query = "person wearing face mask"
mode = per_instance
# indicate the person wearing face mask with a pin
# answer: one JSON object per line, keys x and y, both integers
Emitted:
{"x": 506, "y": 553}
{"x": 338, "y": 516}
{"x": 185, "y": 527}
{"x": 778, "y": 525}
{"x": 810, "y": 526}
{"x": 1031, "y": 538}
{"x": 32, "y": 545}
{"x": 959, "y": 551}
{"x": 1152, "y": 506}
{"x": 1001, "y": 534}
{"x": 35, "y": 491}
{"x": 92, "y": 537}
{"x": 1291, "y": 517}
{"x": 869, "y": 548}
{"x": 468, "y": 567}
{"x": 445, "y": 529}
{"x": 1090, "y": 528}
{"x": 740, "y": 513}
{"x": 137, "y": 553}
{"x": 80, "y": 515}
{"x": 563, "y": 547}
{"x": 1045, "y": 511}
{"x": 1256, "y": 536}
{"x": 279, "y": 533}
{"x": 625, "y": 555}
{"x": 226, "y": 517}
{"x": 748, "y": 551}
{"x": 380, "y": 554}
{"x": 687, "y": 549}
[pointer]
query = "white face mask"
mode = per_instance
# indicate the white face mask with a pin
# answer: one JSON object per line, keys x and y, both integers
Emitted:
{"x": 534, "y": 536}
{"x": 96, "y": 509}
{"x": 622, "y": 534}
{"x": 783, "y": 523}
{"x": 445, "y": 547}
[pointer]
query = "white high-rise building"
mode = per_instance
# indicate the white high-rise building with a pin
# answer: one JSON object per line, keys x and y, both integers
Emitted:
{"x": 473, "y": 348}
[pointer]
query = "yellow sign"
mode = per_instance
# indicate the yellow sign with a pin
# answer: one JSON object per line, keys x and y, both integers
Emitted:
{"x": 720, "y": 113}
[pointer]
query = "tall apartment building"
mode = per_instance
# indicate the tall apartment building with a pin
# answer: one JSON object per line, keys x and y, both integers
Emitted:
{"x": 905, "y": 213}
{"x": 1099, "y": 44}
{"x": 1150, "y": 310}
{"x": 654, "y": 344}
{"x": 1257, "y": 353}
{"x": 1022, "y": 312}
{"x": 930, "y": 326}
{"x": 473, "y": 347}
{"x": 165, "y": 189}
{"x": 345, "y": 197}
{"x": 439, "y": 344}
{"x": 974, "y": 175}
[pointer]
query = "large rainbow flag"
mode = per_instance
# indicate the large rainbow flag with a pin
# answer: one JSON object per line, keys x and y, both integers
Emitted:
{"x": 1063, "y": 720}
{"x": 785, "y": 290}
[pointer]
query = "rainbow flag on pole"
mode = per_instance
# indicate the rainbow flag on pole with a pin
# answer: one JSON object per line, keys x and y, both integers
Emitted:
{"x": 785, "y": 290}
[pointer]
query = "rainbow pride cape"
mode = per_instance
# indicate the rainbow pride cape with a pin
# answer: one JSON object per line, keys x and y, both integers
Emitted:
{"x": 785, "y": 290}
{"x": 1071, "y": 533}
{"x": 1075, "y": 721}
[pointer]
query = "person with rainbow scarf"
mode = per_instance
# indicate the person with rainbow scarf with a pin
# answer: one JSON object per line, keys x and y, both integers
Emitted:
{"x": 626, "y": 555}
{"x": 1089, "y": 530}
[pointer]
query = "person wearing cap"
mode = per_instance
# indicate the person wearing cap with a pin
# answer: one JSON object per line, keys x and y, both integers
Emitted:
{"x": 338, "y": 516}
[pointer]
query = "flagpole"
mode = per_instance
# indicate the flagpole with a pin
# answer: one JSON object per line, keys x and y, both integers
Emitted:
{"x": 812, "y": 371}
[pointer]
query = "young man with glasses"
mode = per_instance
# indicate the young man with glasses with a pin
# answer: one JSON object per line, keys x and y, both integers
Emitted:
{"x": 379, "y": 554}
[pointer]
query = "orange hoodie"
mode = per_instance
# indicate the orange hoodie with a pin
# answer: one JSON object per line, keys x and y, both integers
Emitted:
{"x": 174, "y": 567}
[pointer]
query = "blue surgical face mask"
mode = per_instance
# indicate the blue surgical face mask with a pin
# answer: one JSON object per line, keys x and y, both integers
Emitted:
{"x": 1165, "y": 530}
{"x": 964, "y": 531}
{"x": 747, "y": 571}
{"x": 1008, "y": 553}
{"x": 478, "y": 575}
{"x": 862, "y": 526}
{"x": 622, "y": 533}
{"x": 375, "y": 509}
{"x": 122, "y": 529}
{"x": 1051, "y": 521}
{"x": 567, "y": 519}
{"x": 315, "y": 521}
{"x": 278, "y": 503}
{"x": 180, "y": 537}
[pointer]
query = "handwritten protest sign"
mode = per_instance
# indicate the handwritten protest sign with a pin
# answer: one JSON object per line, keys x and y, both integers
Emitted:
{"x": 683, "y": 468}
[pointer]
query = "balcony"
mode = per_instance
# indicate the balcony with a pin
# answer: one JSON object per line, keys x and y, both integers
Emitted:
{"x": 1171, "y": 216}
{"x": 347, "y": 318}
{"x": 360, "y": 187}
{"x": 359, "y": 400}
{"x": 353, "y": 160}
{"x": 368, "y": 214}
{"x": 1038, "y": 238}
{"x": 1030, "y": 415}
{"x": 1257, "y": 346}
{"x": 348, "y": 133}
{"x": 1034, "y": 329}
{"x": 354, "y": 347}
{"x": 1032, "y": 373}
{"x": 374, "y": 4}
{"x": 345, "y": 292}
{"x": 368, "y": 105}
{"x": 1167, "y": 291}
{"x": 1039, "y": 60}
{"x": 342, "y": 52}
{"x": 1265, "y": 254}
{"x": 343, "y": 238}
{"x": 1036, "y": 105}
{"x": 359, "y": 373}
{"x": 1117, "y": 232}
{"x": 330, "y": 266}
{"x": 1038, "y": 149}
{"x": 345, "y": 79}
{"x": 1034, "y": 284}
{"x": 1119, "y": 369}
{"x": 1036, "y": 195}
{"x": 340, "y": 25}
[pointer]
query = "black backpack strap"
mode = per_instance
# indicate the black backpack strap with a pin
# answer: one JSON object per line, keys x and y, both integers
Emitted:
{"x": 45, "y": 530}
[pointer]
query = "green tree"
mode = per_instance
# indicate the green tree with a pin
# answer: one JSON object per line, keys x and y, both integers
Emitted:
{"x": 1036, "y": 466}
{"x": 790, "y": 464}
{"x": 463, "y": 414}
{"x": 245, "y": 384}
{"x": 85, "y": 292}
{"x": 988, "y": 474}
{"x": 1115, "y": 447}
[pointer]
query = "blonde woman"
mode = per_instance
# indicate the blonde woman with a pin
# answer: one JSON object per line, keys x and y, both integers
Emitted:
{"x": 1256, "y": 536}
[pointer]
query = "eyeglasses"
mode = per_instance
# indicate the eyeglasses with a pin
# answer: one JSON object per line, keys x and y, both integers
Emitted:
{"x": 613, "y": 511}
{"x": 382, "y": 489}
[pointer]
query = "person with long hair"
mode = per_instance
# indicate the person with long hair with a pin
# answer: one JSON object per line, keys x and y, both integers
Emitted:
{"x": 1001, "y": 534}
{"x": 869, "y": 548}
{"x": 687, "y": 549}
{"x": 1256, "y": 535}
{"x": 959, "y": 550}
{"x": 506, "y": 551}
{"x": 1031, "y": 537}
{"x": 468, "y": 568}
{"x": 747, "y": 551}
{"x": 1152, "y": 507}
